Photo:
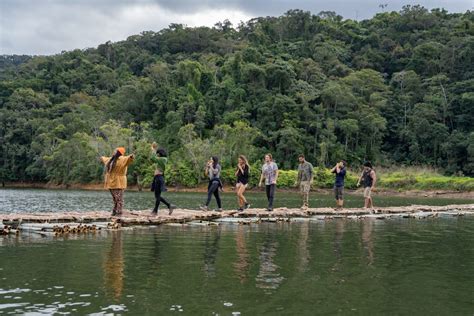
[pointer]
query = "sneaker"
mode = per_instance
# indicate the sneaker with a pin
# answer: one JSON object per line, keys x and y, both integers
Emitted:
{"x": 171, "y": 209}
{"x": 240, "y": 209}
{"x": 247, "y": 205}
{"x": 153, "y": 213}
{"x": 270, "y": 209}
{"x": 204, "y": 208}
{"x": 218, "y": 209}
{"x": 114, "y": 213}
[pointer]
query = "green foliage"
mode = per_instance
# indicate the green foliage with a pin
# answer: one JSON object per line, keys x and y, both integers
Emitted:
{"x": 425, "y": 181}
{"x": 396, "y": 89}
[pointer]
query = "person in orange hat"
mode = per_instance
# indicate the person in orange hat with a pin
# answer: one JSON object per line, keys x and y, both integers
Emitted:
{"x": 116, "y": 176}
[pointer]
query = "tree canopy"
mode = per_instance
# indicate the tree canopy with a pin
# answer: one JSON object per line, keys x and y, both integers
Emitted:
{"x": 395, "y": 89}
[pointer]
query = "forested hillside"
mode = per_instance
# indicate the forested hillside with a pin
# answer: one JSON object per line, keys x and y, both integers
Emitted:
{"x": 397, "y": 89}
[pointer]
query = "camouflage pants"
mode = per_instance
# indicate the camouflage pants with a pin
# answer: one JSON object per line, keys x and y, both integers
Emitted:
{"x": 117, "y": 196}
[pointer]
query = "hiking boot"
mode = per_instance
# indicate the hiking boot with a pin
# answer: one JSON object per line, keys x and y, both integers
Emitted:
{"x": 171, "y": 209}
{"x": 204, "y": 208}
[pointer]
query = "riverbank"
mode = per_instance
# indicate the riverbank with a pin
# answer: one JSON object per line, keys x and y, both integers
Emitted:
{"x": 227, "y": 188}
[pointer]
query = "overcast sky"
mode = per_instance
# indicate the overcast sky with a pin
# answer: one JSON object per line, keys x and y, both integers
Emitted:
{"x": 51, "y": 26}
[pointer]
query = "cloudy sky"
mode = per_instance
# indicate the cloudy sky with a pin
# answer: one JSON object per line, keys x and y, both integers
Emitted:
{"x": 50, "y": 26}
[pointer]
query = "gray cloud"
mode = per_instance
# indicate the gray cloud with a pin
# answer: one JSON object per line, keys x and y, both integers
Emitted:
{"x": 50, "y": 26}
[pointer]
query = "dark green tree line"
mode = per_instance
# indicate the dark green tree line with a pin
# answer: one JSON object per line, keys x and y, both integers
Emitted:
{"x": 396, "y": 89}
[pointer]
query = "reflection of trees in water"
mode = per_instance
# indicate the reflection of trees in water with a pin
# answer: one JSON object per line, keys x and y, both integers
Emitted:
{"x": 210, "y": 253}
{"x": 367, "y": 239}
{"x": 303, "y": 251}
{"x": 268, "y": 277}
{"x": 113, "y": 267}
{"x": 241, "y": 266}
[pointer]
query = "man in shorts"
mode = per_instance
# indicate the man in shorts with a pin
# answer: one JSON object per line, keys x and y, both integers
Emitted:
{"x": 368, "y": 178}
{"x": 305, "y": 179}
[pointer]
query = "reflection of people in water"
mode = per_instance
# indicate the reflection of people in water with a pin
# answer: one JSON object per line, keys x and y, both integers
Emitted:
{"x": 367, "y": 240}
{"x": 113, "y": 267}
{"x": 268, "y": 277}
{"x": 303, "y": 251}
{"x": 339, "y": 234}
{"x": 210, "y": 253}
{"x": 241, "y": 266}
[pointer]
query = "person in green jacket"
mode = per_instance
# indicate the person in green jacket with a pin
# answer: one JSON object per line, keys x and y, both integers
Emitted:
{"x": 158, "y": 157}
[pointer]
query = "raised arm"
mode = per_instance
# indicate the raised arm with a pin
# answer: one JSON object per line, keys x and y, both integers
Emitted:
{"x": 130, "y": 159}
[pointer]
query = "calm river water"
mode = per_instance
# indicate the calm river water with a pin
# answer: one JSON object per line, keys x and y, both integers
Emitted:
{"x": 340, "y": 266}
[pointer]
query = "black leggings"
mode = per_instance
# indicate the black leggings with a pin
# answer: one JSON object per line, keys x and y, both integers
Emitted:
{"x": 159, "y": 187}
{"x": 213, "y": 188}
{"x": 270, "y": 190}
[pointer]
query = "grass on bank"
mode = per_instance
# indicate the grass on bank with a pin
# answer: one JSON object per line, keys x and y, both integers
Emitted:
{"x": 394, "y": 179}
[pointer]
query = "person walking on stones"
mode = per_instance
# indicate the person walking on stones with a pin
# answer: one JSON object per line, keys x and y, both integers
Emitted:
{"x": 340, "y": 171}
{"x": 116, "y": 176}
{"x": 213, "y": 171}
{"x": 160, "y": 160}
{"x": 270, "y": 174}
{"x": 305, "y": 179}
{"x": 242, "y": 174}
{"x": 368, "y": 178}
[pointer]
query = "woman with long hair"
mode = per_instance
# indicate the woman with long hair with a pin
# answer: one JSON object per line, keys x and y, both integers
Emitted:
{"x": 242, "y": 174}
{"x": 213, "y": 171}
{"x": 158, "y": 186}
{"x": 116, "y": 176}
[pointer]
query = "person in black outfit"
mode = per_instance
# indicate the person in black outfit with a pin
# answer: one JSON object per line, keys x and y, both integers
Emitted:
{"x": 158, "y": 185}
{"x": 213, "y": 171}
{"x": 242, "y": 174}
{"x": 368, "y": 179}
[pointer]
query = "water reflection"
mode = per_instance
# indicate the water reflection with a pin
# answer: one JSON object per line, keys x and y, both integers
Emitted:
{"x": 339, "y": 227}
{"x": 367, "y": 239}
{"x": 113, "y": 267}
{"x": 242, "y": 265}
{"x": 211, "y": 248}
{"x": 268, "y": 277}
{"x": 303, "y": 251}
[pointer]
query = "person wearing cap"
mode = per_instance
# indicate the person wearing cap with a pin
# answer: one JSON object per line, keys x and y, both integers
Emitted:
{"x": 116, "y": 176}
{"x": 368, "y": 178}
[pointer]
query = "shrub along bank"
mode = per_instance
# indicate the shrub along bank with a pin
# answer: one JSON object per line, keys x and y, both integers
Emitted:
{"x": 324, "y": 179}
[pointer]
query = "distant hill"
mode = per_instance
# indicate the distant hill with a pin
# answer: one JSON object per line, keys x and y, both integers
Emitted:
{"x": 397, "y": 89}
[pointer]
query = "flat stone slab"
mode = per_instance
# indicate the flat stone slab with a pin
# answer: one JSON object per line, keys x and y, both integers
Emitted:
{"x": 129, "y": 218}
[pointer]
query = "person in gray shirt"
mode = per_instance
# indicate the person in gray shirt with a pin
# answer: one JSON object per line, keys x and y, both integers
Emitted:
{"x": 305, "y": 179}
{"x": 270, "y": 174}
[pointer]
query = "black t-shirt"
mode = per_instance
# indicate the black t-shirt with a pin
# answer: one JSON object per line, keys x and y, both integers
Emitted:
{"x": 243, "y": 177}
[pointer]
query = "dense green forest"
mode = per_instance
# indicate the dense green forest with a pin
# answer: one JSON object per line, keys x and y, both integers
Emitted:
{"x": 397, "y": 89}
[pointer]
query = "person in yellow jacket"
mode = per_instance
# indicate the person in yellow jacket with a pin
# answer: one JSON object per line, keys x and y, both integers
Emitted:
{"x": 116, "y": 176}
